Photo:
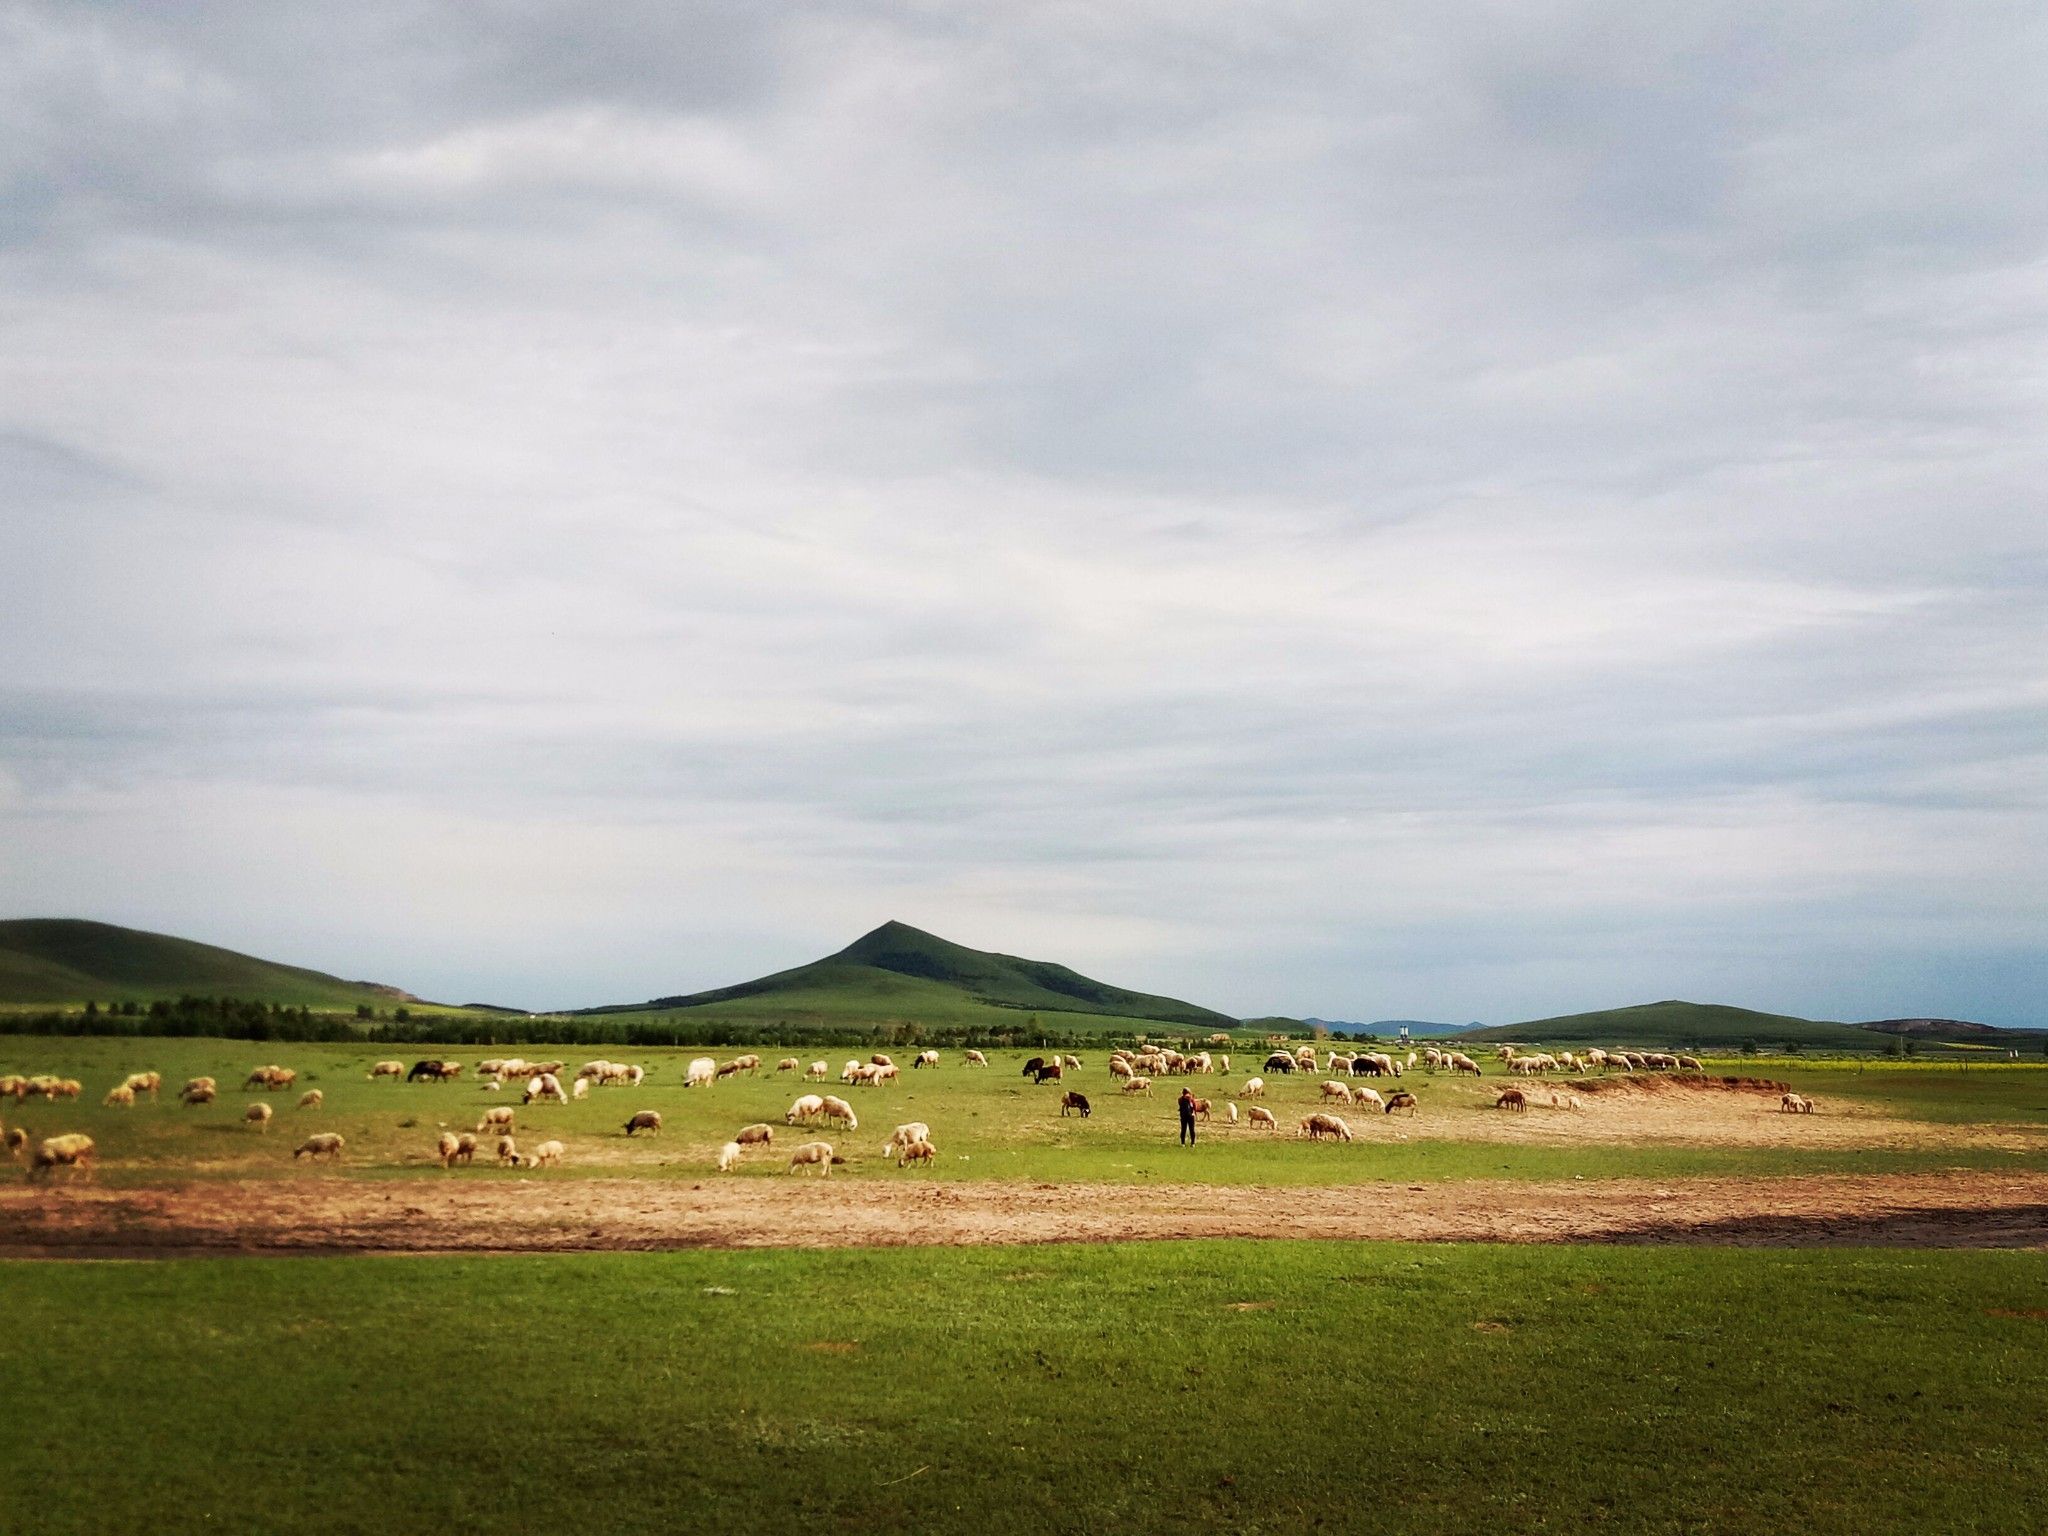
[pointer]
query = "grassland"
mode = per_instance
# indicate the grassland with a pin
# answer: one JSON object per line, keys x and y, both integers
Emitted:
{"x": 1166, "y": 1387}
{"x": 993, "y": 1124}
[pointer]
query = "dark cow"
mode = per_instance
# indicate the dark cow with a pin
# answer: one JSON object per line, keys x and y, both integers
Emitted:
{"x": 422, "y": 1069}
{"x": 1077, "y": 1102}
{"x": 1032, "y": 1066}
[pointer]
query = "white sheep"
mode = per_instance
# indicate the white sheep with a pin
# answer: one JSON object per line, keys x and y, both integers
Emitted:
{"x": 499, "y": 1119}
{"x": 1317, "y": 1126}
{"x": 508, "y": 1152}
{"x": 1256, "y": 1115}
{"x": 816, "y": 1154}
{"x": 547, "y": 1155}
{"x": 805, "y": 1109}
{"x": 1254, "y": 1087}
{"x": 903, "y": 1136}
{"x": 388, "y": 1069}
{"x": 259, "y": 1114}
{"x": 817, "y": 1072}
{"x": 312, "y": 1098}
{"x": 840, "y": 1110}
{"x": 729, "y": 1157}
{"x": 446, "y": 1148}
{"x": 702, "y": 1074}
{"x": 787, "y": 1064}
{"x": 974, "y": 1059}
{"x": 1332, "y": 1089}
{"x": 1363, "y": 1096}
{"x": 755, "y": 1135}
{"x": 1231, "y": 1111}
{"x": 326, "y": 1144}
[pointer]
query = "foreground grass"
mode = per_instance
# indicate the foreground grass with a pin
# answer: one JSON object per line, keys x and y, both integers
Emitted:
{"x": 986, "y": 1123}
{"x": 1204, "y": 1386}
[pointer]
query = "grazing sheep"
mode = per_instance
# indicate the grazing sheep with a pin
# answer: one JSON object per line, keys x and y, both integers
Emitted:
{"x": 124, "y": 1096}
{"x": 446, "y": 1147}
{"x": 1461, "y": 1064}
{"x": 1511, "y": 1098}
{"x": 1075, "y": 1103}
{"x": 67, "y": 1088}
{"x": 545, "y": 1086}
{"x": 702, "y": 1074}
{"x": 730, "y": 1069}
{"x": 749, "y": 1063}
{"x": 758, "y": 1135}
{"x": 388, "y": 1069}
{"x": 974, "y": 1059}
{"x": 1691, "y": 1064}
{"x": 787, "y": 1064}
{"x": 499, "y": 1119}
{"x": 508, "y": 1152}
{"x": 1223, "y": 1065}
{"x": 918, "y": 1152}
{"x": 840, "y": 1110}
{"x": 1120, "y": 1066}
{"x": 729, "y": 1157}
{"x": 817, "y": 1072}
{"x": 547, "y": 1155}
{"x": 1317, "y": 1126}
{"x": 814, "y": 1154}
{"x": 1403, "y": 1100}
{"x": 1362, "y": 1096}
{"x": 925, "y": 1059}
{"x": 17, "y": 1143}
{"x": 582, "y": 1088}
{"x": 260, "y": 1115}
{"x": 648, "y": 1120}
{"x": 1138, "y": 1085}
{"x": 1795, "y": 1104}
{"x": 905, "y": 1135}
{"x": 312, "y": 1098}
{"x": 425, "y": 1071}
{"x": 1230, "y": 1113}
{"x": 1254, "y": 1088}
{"x": 1258, "y": 1116}
{"x": 144, "y": 1082}
{"x": 465, "y": 1148}
{"x": 1332, "y": 1089}
{"x": 1567, "y": 1101}
{"x": 805, "y": 1109}
{"x": 326, "y": 1144}
{"x": 68, "y": 1151}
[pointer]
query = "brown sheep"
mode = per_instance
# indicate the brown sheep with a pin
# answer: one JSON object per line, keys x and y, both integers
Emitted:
{"x": 917, "y": 1152}
{"x": 312, "y": 1098}
{"x": 1511, "y": 1098}
{"x": 756, "y": 1136}
{"x": 70, "y": 1151}
{"x": 326, "y": 1144}
{"x": 647, "y": 1120}
{"x": 259, "y": 1116}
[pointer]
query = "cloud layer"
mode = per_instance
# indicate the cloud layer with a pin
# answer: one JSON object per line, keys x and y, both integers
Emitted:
{"x": 1317, "y": 511}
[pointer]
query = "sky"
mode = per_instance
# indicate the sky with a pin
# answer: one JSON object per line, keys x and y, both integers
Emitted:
{"x": 1448, "y": 512}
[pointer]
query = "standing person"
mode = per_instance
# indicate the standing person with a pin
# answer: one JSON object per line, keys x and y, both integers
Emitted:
{"x": 1187, "y": 1117}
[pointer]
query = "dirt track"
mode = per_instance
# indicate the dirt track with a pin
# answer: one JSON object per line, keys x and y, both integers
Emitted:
{"x": 1960, "y": 1209}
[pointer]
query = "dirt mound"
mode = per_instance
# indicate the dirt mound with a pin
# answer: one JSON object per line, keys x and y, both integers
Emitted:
{"x": 1685, "y": 1081}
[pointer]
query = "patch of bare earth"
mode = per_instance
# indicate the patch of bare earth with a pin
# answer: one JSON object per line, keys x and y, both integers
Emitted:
{"x": 1957, "y": 1209}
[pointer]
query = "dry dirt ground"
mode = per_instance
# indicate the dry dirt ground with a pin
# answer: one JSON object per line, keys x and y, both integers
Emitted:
{"x": 1957, "y": 1209}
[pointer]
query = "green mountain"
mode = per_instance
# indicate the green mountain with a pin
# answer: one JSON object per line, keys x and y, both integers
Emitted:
{"x": 59, "y": 960}
{"x": 1677, "y": 1025}
{"x": 900, "y": 972}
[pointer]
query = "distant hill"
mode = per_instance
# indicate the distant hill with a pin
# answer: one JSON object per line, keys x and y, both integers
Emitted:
{"x": 60, "y": 960}
{"x": 1677, "y": 1024}
{"x": 1945, "y": 1029}
{"x": 901, "y": 972}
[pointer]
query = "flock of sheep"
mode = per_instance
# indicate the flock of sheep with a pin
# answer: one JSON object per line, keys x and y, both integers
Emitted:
{"x": 909, "y": 1144}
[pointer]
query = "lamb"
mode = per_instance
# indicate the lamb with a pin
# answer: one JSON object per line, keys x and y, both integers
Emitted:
{"x": 918, "y": 1152}
{"x": 816, "y": 1154}
{"x": 68, "y": 1151}
{"x": 508, "y": 1152}
{"x": 1332, "y": 1089}
{"x": 1569, "y": 1101}
{"x": 840, "y": 1110}
{"x": 1405, "y": 1101}
{"x": 499, "y": 1119}
{"x": 388, "y": 1069}
{"x": 312, "y": 1098}
{"x": 124, "y": 1096}
{"x": 1511, "y": 1098}
{"x": 446, "y": 1148}
{"x": 465, "y": 1148}
{"x": 805, "y": 1109}
{"x": 702, "y": 1074}
{"x": 326, "y": 1144}
{"x": 648, "y": 1120}
{"x": 974, "y": 1059}
{"x": 755, "y": 1135}
{"x": 547, "y": 1155}
{"x": 1138, "y": 1085}
{"x": 259, "y": 1115}
{"x": 817, "y": 1072}
{"x": 728, "y": 1157}
{"x": 582, "y": 1088}
{"x": 17, "y": 1143}
{"x": 905, "y": 1135}
{"x": 1254, "y": 1088}
{"x": 787, "y": 1064}
{"x": 1317, "y": 1126}
{"x": 1076, "y": 1103}
{"x": 1795, "y": 1104}
{"x": 1257, "y": 1116}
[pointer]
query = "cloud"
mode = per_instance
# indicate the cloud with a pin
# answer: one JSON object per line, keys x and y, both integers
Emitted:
{"x": 1413, "y": 515}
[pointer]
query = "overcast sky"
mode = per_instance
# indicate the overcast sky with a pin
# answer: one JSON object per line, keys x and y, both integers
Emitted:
{"x": 1413, "y": 510}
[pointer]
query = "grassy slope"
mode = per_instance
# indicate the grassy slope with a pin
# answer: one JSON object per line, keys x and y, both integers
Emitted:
{"x": 1676, "y": 1025}
{"x": 58, "y": 961}
{"x": 923, "y": 976}
{"x": 987, "y": 1124}
{"x": 1172, "y": 1387}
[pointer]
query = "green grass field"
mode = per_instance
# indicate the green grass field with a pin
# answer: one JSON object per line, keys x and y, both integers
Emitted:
{"x": 1169, "y": 1387}
{"x": 988, "y": 1124}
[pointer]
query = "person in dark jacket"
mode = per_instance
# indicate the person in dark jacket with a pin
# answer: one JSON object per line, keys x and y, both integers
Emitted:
{"x": 1187, "y": 1118}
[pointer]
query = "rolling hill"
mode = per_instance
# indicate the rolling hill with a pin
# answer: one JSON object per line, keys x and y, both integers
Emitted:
{"x": 900, "y": 972}
{"x": 1674, "y": 1024}
{"x": 56, "y": 961}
